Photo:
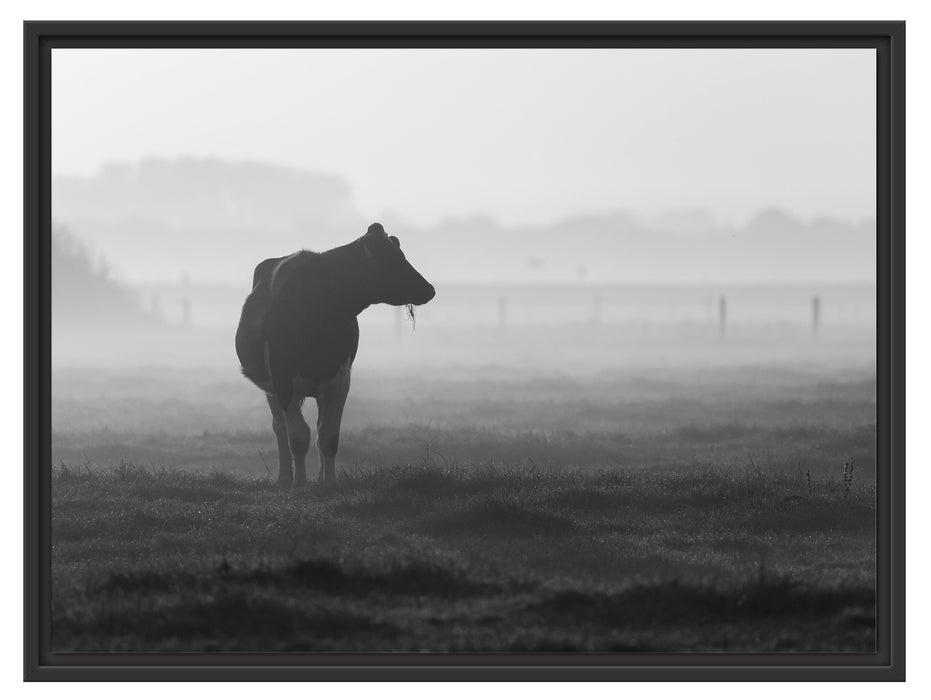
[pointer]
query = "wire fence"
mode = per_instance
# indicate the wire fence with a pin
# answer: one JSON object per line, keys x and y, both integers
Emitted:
{"x": 815, "y": 307}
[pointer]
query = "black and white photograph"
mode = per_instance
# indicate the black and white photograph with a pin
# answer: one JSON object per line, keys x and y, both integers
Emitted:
{"x": 448, "y": 350}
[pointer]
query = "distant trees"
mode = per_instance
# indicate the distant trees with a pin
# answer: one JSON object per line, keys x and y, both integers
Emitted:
{"x": 84, "y": 291}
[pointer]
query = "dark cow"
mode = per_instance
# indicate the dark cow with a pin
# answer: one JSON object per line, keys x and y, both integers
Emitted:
{"x": 298, "y": 335}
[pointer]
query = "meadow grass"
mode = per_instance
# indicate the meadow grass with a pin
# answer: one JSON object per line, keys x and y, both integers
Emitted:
{"x": 477, "y": 510}
{"x": 441, "y": 555}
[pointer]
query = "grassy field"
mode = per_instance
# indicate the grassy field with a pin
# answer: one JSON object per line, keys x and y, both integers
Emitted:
{"x": 656, "y": 511}
{"x": 430, "y": 558}
{"x": 782, "y": 419}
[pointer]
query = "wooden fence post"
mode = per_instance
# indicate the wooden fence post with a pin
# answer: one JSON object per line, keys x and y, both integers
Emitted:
{"x": 722, "y": 315}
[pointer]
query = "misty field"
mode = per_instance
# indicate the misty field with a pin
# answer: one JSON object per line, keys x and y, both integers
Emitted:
{"x": 649, "y": 511}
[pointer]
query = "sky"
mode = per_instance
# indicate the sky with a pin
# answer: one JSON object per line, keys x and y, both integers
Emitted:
{"x": 523, "y": 136}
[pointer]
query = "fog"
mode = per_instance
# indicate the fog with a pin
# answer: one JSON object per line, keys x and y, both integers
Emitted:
{"x": 581, "y": 214}
{"x": 525, "y": 137}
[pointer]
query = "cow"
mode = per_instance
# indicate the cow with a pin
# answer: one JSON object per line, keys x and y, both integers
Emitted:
{"x": 299, "y": 332}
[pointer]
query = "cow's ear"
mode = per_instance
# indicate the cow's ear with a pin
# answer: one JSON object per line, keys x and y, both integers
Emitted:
{"x": 376, "y": 229}
{"x": 394, "y": 239}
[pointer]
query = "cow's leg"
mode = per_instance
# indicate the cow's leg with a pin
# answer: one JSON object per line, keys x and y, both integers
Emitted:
{"x": 298, "y": 440}
{"x": 329, "y": 416}
{"x": 280, "y": 426}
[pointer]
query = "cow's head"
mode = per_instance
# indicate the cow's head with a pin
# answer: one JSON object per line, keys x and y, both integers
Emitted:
{"x": 392, "y": 279}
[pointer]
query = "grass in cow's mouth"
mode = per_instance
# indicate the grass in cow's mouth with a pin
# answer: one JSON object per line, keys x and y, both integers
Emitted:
{"x": 410, "y": 315}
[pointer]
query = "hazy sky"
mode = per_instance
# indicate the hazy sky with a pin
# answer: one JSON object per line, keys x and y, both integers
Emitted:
{"x": 523, "y": 136}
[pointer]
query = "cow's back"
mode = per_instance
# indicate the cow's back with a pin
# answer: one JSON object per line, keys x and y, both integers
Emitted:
{"x": 250, "y": 340}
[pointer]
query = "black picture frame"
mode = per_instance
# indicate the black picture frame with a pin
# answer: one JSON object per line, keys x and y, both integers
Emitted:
{"x": 888, "y": 40}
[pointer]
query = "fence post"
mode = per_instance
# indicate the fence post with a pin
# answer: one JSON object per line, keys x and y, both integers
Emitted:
{"x": 815, "y": 315}
{"x": 185, "y": 300}
{"x": 722, "y": 315}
